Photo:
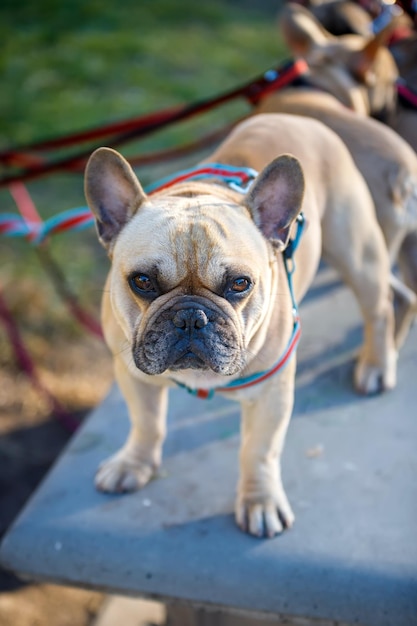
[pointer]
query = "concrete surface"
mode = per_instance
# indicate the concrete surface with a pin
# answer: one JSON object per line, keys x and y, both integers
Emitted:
{"x": 349, "y": 468}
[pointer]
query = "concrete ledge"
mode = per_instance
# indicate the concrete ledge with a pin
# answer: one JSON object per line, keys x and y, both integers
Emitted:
{"x": 130, "y": 612}
{"x": 350, "y": 471}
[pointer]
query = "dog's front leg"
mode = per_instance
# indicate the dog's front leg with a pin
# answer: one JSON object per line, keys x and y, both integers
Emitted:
{"x": 262, "y": 507}
{"x": 135, "y": 464}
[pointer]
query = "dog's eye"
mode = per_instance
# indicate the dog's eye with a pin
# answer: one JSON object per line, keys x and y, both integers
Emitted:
{"x": 240, "y": 285}
{"x": 142, "y": 284}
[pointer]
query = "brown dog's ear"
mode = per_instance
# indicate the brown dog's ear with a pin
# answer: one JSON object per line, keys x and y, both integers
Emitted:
{"x": 113, "y": 193}
{"x": 361, "y": 62}
{"x": 275, "y": 199}
{"x": 301, "y": 30}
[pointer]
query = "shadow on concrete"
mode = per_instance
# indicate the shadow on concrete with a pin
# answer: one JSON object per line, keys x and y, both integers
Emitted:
{"x": 26, "y": 454}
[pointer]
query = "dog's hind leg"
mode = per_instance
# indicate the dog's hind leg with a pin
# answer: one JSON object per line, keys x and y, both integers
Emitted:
{"x": 362, "y": 259}
{"x": 404, "y": 293}
{"x": 405, "y": 308}
{"x": 407, "y": 260}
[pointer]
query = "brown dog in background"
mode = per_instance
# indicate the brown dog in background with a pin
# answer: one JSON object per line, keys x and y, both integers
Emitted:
{"x": 360, "y": 74}
{"x": 359, "y": 71}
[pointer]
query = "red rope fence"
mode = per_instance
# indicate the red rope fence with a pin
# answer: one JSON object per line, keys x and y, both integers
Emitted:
{"x": 33, "y": 164}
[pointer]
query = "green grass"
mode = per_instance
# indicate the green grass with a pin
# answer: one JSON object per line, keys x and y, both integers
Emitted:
{"x": 67, "y": 66}
{"x": 71, "y": 65}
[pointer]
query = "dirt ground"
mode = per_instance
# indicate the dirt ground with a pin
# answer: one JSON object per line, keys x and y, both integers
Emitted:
{"x": 79, "y": 372}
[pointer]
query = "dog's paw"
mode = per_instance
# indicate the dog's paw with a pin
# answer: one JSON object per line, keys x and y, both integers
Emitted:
{"x": 372, "y": 379}
{"x": 121, "y": 474}
{"x": 264, "y": 519}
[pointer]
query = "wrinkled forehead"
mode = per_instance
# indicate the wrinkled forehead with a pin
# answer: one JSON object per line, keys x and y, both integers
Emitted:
{"x": 195, "y": 235}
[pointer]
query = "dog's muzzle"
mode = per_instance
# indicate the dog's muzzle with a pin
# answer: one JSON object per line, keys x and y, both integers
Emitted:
{"x": 192, "y": 333}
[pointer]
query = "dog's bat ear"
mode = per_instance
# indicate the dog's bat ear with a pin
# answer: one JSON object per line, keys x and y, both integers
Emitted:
{"x": 301, "y": 30}
{"x": 275, "y": 199}
{"x": 113, "y": 193}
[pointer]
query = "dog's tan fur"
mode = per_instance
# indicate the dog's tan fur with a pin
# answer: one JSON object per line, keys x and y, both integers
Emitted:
{"x": 193, "y": 235}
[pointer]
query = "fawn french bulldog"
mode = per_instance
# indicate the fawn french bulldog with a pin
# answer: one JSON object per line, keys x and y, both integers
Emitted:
{"x": 198, "y": 292}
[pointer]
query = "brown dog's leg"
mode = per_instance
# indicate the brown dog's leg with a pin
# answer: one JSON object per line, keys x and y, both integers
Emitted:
{"x": 262, "y": 507}
{"x": 135, "y": 464}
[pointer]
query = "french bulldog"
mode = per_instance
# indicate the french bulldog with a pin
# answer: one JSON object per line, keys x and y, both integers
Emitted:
{"x": 198, "y": 292}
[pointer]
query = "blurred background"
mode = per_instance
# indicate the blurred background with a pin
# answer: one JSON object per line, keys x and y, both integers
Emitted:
{"x": 66, "y": 67}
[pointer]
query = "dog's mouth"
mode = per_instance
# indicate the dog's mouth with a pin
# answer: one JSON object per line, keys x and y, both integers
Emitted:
{"x": 189, "y": 335}
{"x": 189, "y": 360}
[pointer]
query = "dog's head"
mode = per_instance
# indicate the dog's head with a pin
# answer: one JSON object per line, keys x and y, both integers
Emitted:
{"x": 358, "y": 71}
{"x": 193, "y": 267}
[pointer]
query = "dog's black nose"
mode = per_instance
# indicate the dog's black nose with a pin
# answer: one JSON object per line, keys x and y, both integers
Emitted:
{"x": 190, "y": 319}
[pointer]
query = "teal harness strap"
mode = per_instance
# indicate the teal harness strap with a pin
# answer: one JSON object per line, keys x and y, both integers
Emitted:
{"x": 288, "y": 255}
